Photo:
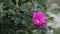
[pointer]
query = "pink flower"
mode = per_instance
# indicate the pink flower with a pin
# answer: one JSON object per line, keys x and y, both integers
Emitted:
{"x": 39, "y": 19}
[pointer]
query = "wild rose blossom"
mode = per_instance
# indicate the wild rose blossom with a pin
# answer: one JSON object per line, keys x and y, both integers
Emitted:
{"x": 39, "y": 19}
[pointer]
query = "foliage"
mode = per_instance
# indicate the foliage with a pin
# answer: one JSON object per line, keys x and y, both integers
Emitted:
{"x": 16, "y": 16}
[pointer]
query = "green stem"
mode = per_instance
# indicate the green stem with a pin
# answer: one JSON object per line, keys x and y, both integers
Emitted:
{"x": 17, "y": 2}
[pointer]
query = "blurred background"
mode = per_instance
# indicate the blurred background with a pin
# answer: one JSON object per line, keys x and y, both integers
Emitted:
{"x": 16, "y": 16}
{"x": 54, "y": 10}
